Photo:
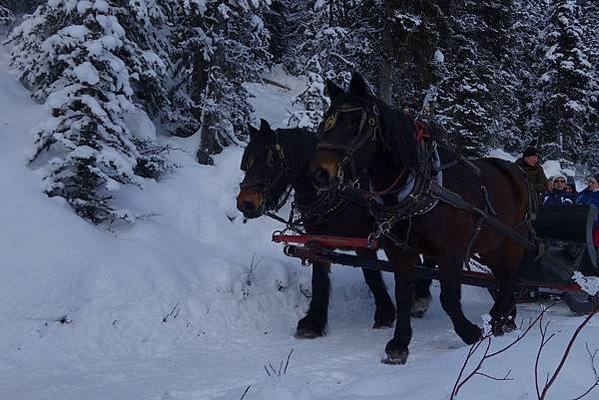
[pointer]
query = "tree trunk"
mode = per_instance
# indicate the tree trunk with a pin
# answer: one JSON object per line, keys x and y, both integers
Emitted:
{"x": 388, "y": 55}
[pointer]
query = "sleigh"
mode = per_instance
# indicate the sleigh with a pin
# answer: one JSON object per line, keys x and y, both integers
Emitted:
{"x": 564, "y": 242}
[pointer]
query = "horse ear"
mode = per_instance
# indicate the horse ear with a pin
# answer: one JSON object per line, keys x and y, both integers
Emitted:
{"x": 252, "y": 131}
{"x": 332, "y": 90}
{"x": 264, "y": 126}
{"x": 357, "y": 86}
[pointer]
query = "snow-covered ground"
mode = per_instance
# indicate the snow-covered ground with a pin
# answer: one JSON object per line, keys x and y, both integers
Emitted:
{"x": 192, "y": 303}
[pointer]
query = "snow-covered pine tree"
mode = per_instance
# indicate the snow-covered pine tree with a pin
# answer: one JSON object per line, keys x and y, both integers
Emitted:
{"x": 506, "y": 64}
{"x": 529, "y": 15}
{"x": 21, "y": 6}
{"x": 419, "y": 32}
{"x": 464, "y": 107}
{"x": 567, "y": 89}
{"x": 332, "y": 39}
{"x": 78, "y": 58}
{"x": 590, "y": 20}
{"x": 6, "y": 19}
{"x": 218, "y": 45}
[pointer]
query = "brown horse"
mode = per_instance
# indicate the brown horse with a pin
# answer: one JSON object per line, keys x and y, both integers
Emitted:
{"x": 272, "y": 161}
{"x": 423, "y": 202}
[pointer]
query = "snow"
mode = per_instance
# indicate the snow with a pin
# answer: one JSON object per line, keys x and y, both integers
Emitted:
{"x": 86, "y": 73}
{"x": 173, "y": 308}
{"x": 439, "y": 57}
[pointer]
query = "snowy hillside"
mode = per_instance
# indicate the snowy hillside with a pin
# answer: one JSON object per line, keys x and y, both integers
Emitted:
{"x": 191, "y": 303}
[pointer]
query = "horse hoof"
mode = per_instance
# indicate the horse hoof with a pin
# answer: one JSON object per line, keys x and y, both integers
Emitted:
{"x": 502, "y": 327}
{"x": 308, "y": 329}
{"x": 472, "y": 336}
{"x": 396, "y": 358}
{"x": 383, "y": 325}
{"x": 308, "y": 334}
{"x": 420, "y": 305}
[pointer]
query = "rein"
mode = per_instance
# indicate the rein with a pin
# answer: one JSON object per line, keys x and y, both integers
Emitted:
{"x": 389, "y": 188}
{"x": 354, "y": 145}
{"x": 324, "y": 208}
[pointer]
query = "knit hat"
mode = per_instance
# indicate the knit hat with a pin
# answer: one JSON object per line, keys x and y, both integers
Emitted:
{"x": 531, "y": 151}
{"x": 596, "y": 176}
{"x": 559, "y": 176}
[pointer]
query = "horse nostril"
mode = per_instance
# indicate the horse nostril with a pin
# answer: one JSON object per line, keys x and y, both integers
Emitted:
{"x": 247, "y": 206}
{"x": 322, "y": 177}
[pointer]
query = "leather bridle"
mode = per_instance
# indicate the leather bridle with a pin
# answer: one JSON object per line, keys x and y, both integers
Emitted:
{"x": 367, "y": 131}
{"x": 265, "y": 186}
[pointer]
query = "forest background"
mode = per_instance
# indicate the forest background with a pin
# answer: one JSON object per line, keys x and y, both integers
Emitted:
{"x": 494, "y": 74}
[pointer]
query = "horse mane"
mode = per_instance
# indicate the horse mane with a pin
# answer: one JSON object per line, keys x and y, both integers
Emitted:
{"x": 398, "y": 134}
{"x": 299, "y": 146}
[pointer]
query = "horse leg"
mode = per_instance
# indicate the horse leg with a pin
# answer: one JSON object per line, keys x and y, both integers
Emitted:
{"x": 384, "y": 316}
{"x": 314, "y": 323}
{"x": 451, "y": 292}
{"x": 422, "y": 292}
{"x": 504, "y": 265}
{"x": 396, "y": 349}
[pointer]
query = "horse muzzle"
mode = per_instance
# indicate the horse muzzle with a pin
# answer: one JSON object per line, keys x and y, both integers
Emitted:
{"x": 249, "y": 202}
{"x": 324, "y": 174}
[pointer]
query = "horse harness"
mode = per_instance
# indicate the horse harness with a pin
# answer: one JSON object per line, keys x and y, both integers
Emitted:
{"x": 269, "y": 204}
{"x": 370, "y": 121}
{"x": 325, "y": 207}
{"x": 426, "y": 184}
{"x": 428, "y": 191}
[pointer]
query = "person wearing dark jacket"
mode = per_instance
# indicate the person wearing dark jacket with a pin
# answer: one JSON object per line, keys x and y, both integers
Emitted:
{"x": 530, "y": 162}
{"x": 558, "y": 196}
{"x": 590, "y": 195}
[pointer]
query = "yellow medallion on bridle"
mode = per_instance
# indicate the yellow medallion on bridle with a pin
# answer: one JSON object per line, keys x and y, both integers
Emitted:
{"x": 330, "y": 122}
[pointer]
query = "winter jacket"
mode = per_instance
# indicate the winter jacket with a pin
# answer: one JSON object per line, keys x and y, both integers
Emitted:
{"x": 535, "y": 175}
{"x": 587, "y": 197}
{"x": 558, "y": 198}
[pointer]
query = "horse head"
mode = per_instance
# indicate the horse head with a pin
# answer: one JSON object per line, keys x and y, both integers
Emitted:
{"x": 266, "y": 178}
{"x": 357, "y": 131}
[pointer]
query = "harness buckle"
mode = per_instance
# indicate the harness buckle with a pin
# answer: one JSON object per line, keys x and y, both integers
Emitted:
{"x": 375, "y": 110}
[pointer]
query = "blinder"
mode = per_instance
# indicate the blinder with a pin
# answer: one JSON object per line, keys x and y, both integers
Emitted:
{"x": 367, "y": 130}
{"x": 274, "y": 154}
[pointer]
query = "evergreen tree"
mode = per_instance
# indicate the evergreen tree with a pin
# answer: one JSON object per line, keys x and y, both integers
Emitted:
{"x": 218, "y": 45}
{"x": 80, "y": 60}
{"x": 464, "y": 97}
{"x": 419, "y": 32}
{"x": 331, "y": 39}
{"x": 21, "y": 6}
{"x": 567, "y": 91}
{"x": 528, "y": 15}
{"x": 7, "y": 18}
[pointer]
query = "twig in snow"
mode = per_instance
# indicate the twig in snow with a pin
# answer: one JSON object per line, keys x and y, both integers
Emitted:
{"x": 289, "y": 358}
{"x": 486, "y": 340}
{"x": 550, "y": 379}
{"x": 282, "y": 370}
{"x": 173, "y": 313}
{"x": 247, "y": 389}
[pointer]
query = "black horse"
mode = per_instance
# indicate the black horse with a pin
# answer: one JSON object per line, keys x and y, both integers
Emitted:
{"x": 272, "y": 161}
{"x": 429, "y": 201}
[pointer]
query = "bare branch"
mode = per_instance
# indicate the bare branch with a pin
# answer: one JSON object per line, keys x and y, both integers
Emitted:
{"x": 247, "y": 389}
{"x": 596, "y": 383}
{"x": 287, "y": 362}
{"x": 566, "y": 353}
{"x": 507, "y": 376}
{"x": 523, "y": 334}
